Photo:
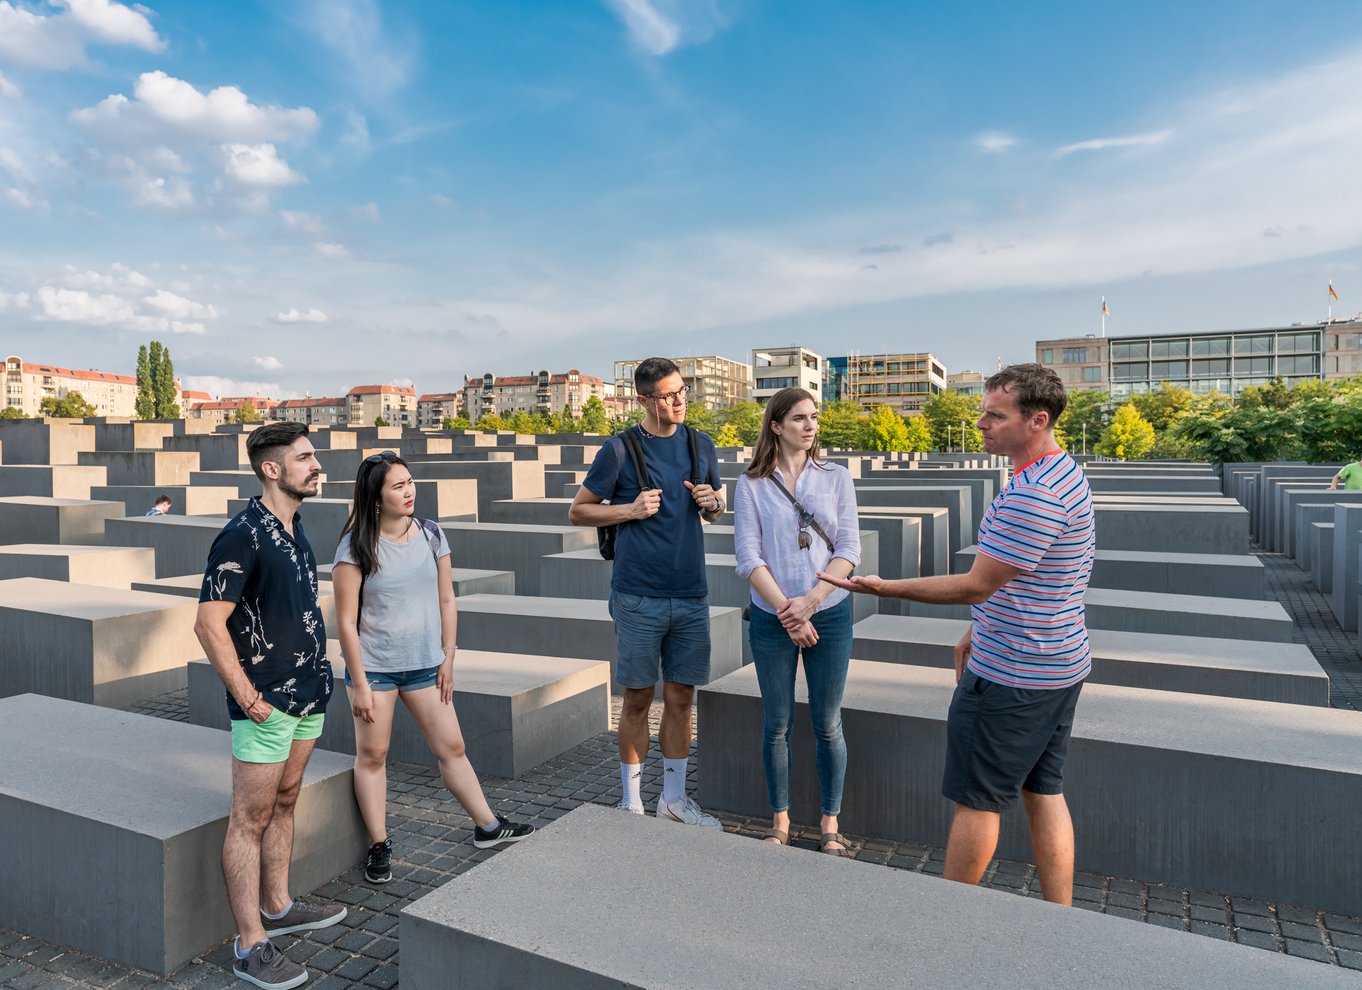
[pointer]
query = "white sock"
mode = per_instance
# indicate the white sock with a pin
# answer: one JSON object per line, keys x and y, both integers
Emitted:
{"x": 631, "y": 776}
{"x": 674, "y": 779}
{"x": 276, "y": 917}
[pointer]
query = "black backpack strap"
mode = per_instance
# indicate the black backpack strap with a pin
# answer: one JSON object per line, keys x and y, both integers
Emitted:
{"x": 631, "y": 443}
{"x": 432, "y": 531}
{"x": 697, "y": 466}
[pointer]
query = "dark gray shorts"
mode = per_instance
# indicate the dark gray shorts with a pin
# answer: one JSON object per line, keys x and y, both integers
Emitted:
{"x": 1001, "y": 740}
{"x": 666, "y": 637}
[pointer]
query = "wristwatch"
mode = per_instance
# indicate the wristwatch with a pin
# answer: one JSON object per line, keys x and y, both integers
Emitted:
{"x": 718, "y": 505}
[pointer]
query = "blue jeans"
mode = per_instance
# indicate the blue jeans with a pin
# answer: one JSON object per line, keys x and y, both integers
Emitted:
{"x": 825, "y": 673}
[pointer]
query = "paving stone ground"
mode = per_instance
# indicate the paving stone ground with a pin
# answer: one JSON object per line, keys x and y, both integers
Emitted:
{"x": 433, "y": 844}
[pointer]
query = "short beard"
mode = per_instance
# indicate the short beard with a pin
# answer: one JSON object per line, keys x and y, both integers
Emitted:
{"x": 298, "y": 493}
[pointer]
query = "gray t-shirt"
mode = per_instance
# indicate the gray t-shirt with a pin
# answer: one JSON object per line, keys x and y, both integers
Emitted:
{"x": 399, "y": 622}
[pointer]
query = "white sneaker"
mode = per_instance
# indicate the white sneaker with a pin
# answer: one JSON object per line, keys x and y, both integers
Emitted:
{"x": 687, "y": 812}
{"x": 633, "y": 809}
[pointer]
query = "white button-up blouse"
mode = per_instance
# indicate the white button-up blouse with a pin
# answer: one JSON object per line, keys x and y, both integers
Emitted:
{"x": 766, "y": 529}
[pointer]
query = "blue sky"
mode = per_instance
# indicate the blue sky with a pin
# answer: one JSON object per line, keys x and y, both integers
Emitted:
{"x": 303, "y": 196}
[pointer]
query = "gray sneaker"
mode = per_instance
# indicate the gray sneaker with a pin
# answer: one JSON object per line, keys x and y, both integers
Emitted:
{"x": 268, "y": 968}
{"x": 687, "y": 812}
{"x": 303, "y": 915}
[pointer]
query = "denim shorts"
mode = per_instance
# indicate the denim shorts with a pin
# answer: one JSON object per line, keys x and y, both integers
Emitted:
{"x": 397, "y": 680}
{"x": 667, "y": 637}
{"x": 1001, "y": 740}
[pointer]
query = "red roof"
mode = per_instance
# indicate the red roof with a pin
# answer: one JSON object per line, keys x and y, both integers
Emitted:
{"x": 94, "y": 376}
{"x": 231, "y": 405}
{"x": 196, "y": 395}
{"x": 440, "y": 397}
{"x": 382, "y": 390}
{"x": 310, "y": 403}
{"x": 476, "y": 383}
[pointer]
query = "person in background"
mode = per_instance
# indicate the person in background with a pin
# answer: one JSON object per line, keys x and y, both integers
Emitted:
{"x": 1349, "y": 476}
{"x": 160, "y": 507}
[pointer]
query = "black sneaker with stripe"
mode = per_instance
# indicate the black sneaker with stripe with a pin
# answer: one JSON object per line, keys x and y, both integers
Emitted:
{"x": 502, "y": 832}
{"x": 378, "y": 863}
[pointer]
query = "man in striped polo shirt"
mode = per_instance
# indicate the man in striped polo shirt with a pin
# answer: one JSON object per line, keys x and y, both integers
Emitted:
{"x": 1020, "y": 666}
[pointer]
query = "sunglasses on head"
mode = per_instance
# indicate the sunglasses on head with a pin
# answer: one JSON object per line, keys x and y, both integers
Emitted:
{"x": 382, "y": 455}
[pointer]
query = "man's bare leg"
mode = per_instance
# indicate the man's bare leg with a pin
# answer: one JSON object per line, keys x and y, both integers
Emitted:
{"x": 1052, "y": 842}
{"x": 276, "y": 847}
{"x": 974, "y": 837}
{"x": 673, "y": 736}
{"x": 633, "y": 728}
{"x": 255, "y": 787}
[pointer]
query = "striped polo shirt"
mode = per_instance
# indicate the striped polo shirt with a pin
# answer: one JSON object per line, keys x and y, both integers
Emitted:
{"x": 1031, "y": 633}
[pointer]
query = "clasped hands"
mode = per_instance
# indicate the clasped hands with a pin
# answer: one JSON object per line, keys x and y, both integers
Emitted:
{"x": 796, "y": 615}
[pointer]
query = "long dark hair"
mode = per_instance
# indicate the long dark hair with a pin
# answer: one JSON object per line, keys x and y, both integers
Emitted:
{"x": 764, "y": 457}
{"x": 362, "y": 523}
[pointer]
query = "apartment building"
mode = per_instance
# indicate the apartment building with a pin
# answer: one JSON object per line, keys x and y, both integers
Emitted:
{"x": 715, "y": 382}
{"x": 433, "y": 408}
{"x": 224, "y": 410}
{"x": 1224, "y": 361}
{"x": 903, "y": 382}
{"x": 775, "y": 368}
{"x": 968, "y": 382}
{"x": 322, "y": 411}
{"x": 539, "y": 392}
{"x": 395, "y": 403}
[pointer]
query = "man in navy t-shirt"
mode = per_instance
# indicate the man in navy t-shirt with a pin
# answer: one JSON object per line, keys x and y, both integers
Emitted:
{"x": 658, "y": 594}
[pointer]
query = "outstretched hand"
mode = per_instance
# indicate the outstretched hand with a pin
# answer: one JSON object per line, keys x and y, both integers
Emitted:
{"x": 866, "y": 584}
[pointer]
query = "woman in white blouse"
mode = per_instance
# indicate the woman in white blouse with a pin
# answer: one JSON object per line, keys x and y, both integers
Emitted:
{"x": 795, "y": 515}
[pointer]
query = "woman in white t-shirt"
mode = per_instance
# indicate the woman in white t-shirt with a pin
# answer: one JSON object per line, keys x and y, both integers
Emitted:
{"x": 396, "y": 611}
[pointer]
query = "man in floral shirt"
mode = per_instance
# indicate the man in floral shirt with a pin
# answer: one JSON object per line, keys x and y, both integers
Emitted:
{"x": 260, "y": 622}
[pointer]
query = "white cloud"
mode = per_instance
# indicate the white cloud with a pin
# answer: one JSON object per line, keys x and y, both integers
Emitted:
{"x": 57, "y": 41}
{"x": 369, "y": 211}
{"x": 218, "y": 385}
{"x": 331, "y": 251}
{"x": 267, "y": 363}
{"x": 164, "y": 107}
{"x": 8, "y": 90}
{"x": 19, "y": 198}
{"x": 402, "y": 383}
{"x": 121, "y": 298}
{"x": 258, "y": 165}
{"x": 306, "y": 316}
{"x": 305, "y": 223}
{"x": 179, "y": 307}
{"x": 1129, "y": 141}
{"x": 119, "y": 276}
{"x": 660, "y": 26}
{"x": 374, "y": 57}
{"x": 441, "y": 200}
{"x": 167, "y": 195}
{"x": 13, "y": 300}
{"x": 995, "y": 141}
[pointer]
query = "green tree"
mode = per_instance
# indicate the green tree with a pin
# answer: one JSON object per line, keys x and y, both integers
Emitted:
{"x": 1129, "y": 435}
{"x": 728, "y": 436}
{"x": 565, "y": 422}
{"x": 919, "y": 434}
{"x": 162, "y": 374}
{"x": 380, "y": 421}
{"x": 459, "y": 422}
{"x": 618, "y": 426}
{"x": 490, "y": 421}
{"x": 704, "y": 420}
{"x": 246, "y": 413}
{"x": 594, "y": 419}
{"x": 839, "y": 425}
{"x": 146, "y": 397}
{"x": 1084, "y": 418}
{"x": 12, "y": 412}
{"x": 745, "y": 418}
{"x": 72, "y": 405}
{"x": 946, "y": 412}
{"x": 885, "y": 430}
{"x": 522, "y": 422}
{"x": 1164, "y": 406}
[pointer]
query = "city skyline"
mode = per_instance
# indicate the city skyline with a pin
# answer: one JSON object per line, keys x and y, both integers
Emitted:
{"x": 509, "y": 188}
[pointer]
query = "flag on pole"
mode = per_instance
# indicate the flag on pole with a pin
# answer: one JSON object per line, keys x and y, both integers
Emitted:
{"x": 1107, "y": 312}
{"x": 1332, "y": 291}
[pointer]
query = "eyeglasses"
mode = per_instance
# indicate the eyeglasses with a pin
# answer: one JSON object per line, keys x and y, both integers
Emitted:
{"x": 676, "y": 397}
{"x": 382, "y": 455}
{"x": 805, "y": 519}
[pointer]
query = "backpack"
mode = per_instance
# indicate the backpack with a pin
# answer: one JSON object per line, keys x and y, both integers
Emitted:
{"x": 431, "y": 529}
{"x": 605, "y": 535}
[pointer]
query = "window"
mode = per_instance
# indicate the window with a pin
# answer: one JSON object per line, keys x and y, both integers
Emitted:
{"x": 1092, "y": 374}
{"x": 1129, "y": 372}
{"x": 1211, "y": 366}
{"x": 1164, "y": 370}
{"x": 1253, "y": 345}
{"x": 1167, "y": 348}
{"x": 777, "y": 382}
{"x": 1075, "y": 355}
{"x": 1252, "y": 366}
{"x": 1130, "y": 350}
{"x": 1211, "y": 347}
{"x": 1047, "y": 356}
{"x": 1301, "y": 364}
{"x": 1297, "y": 342}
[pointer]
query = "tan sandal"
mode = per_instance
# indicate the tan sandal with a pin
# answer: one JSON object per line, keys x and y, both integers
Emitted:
{"x": 827, "y": 838}
{"x": 782, "y": 838}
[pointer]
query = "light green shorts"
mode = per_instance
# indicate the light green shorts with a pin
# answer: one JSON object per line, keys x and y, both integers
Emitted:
{"x": 270, "y": 741}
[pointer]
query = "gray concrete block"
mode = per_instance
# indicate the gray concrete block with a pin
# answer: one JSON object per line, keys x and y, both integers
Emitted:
{"x": 515, "y": 711}
{"x": 933, "y": 539}
{"x": 578, "y": 628}
{"x": 35, "y": 519}
{"x": 1172, "y": 528}
{"x": 1346, "y": 584}
{"x": 132, "y": 434}
{"x": 564, "y": 483}
{"x": 101, "y": 646}
{"x": 1322, "y": 556}
{"x": 956, "y": 499}
{"x": 1305, "y": 515}
{"x": 533, "y": 917}
{"x": 125, "y": 866}
{"x": 451, "y": 499}
{"x": 246, "y": 483}
{"x": 496, "y": 480}
{"x": 217, "y": 451}
{"x": 1218, "y": 575}
{"x": 467, "y": 580}
{"x": 1156, "y": 612}
{"x": 1231, "y": 668}
{"x": 109, "y": 567}
{"x": 1208, "y": 787}
{"x": 181, "y": 542}
{"x": 984, "y": 485}
{"x": 185, "y": 500}
{"x": 1102, "y": 482}
{"x": 530, "y": 511}
{"x": 69, "y": 481}
{"x": 143, "y": 467}
{"x": 44, "y": 441}
{"x": 514, "y": 547}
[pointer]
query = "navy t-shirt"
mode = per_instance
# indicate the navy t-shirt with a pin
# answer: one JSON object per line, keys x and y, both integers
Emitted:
{"x": 662, "y": 556}
{"x": 277, "y": 624}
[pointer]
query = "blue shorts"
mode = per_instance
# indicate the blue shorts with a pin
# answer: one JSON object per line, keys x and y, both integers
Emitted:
{"x": 397, "y": 680}
{"x": 666, "y": 636}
